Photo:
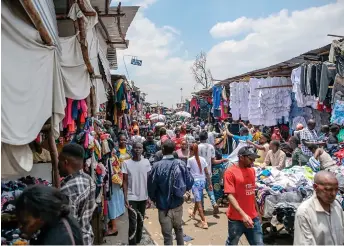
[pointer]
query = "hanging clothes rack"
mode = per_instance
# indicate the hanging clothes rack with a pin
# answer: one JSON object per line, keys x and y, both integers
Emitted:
{"x": 276, "y": 86}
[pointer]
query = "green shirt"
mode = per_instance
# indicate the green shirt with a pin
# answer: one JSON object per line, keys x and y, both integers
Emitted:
{"x": 298, "y": 158}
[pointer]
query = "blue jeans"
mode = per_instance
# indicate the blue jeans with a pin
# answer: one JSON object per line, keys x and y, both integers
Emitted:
{"x": 253, "y": 235}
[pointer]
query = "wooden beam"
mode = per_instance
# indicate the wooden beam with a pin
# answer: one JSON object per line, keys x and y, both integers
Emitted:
{"x": 276, "y": 86}
{"x": 110, "y": 42}
{"x": 65, "y": 17}
{"x": 37, "y": 21}
{"x": 336, "y": 36}
{"x": 107, "y": 4}
{"x": 54, "y": 159}
{"x": 119, "y": 22}
{"x": 84, "y": 49}
{"x": 112, "y": 15}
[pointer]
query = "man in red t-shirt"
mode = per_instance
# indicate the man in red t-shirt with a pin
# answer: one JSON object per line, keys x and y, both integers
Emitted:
{"x": 178, "y": 139}
{"x": 239, "y": 183}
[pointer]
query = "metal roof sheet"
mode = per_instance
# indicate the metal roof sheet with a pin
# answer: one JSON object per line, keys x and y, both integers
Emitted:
{"x": 283, "y": 68}
{"x": 112, "y": 24}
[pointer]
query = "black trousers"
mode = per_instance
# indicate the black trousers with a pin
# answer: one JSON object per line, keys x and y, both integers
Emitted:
{"x": 136, "y": 221}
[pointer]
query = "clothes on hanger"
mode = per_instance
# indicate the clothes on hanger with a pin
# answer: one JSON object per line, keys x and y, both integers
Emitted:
{"x": 302, "y": 99}
{"x": 217, "y": 94}
{"x": 269, "y": 106}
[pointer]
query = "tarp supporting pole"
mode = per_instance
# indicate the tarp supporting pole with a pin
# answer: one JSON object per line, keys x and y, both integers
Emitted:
{"x": 54, "y": 159}
{"x": 37, "y": 21}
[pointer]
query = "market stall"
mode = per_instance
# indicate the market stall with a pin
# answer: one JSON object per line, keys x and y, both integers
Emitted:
{"x": 62, "y": 50}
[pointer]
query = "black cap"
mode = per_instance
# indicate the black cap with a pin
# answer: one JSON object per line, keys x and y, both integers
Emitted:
{"x": 247, "y": 151}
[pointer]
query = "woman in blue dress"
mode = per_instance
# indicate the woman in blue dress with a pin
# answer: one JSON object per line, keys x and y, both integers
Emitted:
{"x": 116, "y": 205}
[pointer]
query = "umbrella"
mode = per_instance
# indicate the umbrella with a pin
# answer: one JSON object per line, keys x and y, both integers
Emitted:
{"x": 160, "y": 124}
{"x": 183, "y": 114}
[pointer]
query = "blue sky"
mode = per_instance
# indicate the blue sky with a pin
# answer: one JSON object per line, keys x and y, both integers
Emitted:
{"x": 238, "y": 36}
{"x": 194, "y": 18}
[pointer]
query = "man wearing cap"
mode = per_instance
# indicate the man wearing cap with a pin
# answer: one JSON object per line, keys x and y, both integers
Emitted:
{"x": 242, "y": 213}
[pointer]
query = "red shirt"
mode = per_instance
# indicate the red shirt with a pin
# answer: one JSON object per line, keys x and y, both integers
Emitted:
{"x": 241, "y": 183}
{"x": 178, "y": 142}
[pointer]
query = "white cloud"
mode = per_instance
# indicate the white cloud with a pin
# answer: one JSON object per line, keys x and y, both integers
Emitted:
{"x": 231, "y": 28}
{"x": 273, "y": 39}
{"x": 163, "y": 72}
{"x": 266, "y": 41}
{"x": 172, "y": 29}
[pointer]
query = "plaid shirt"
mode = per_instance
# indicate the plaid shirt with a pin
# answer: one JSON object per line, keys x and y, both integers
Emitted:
{"x": 309, "y": 136}
{"x": 81, "y": 191}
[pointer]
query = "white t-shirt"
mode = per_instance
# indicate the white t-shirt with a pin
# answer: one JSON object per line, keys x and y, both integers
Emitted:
{"x": 211, "y": 137}
{"x": 194, "y": 169}
{"x": 137, "y": 178}
{"x": 207, "y": 151}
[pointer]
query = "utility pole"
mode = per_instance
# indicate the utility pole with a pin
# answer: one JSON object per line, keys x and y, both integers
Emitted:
{"x": 181, "y": 95}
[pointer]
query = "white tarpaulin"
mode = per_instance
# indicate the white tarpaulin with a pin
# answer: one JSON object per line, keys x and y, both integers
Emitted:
{"x": 15, "y": 160}
{"x": 46, "y": 10}
{"x": 77, "y": 81}
{"x": 31, "y": 83}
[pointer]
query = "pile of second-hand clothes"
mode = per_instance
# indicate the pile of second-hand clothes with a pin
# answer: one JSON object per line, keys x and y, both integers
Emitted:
{"x": 10, "y": 190}
{"x": 287, "y": 186}
{"x": 340, "y": 176}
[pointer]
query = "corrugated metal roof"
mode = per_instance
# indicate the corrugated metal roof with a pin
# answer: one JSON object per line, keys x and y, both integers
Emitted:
{"x": 284, "y": 68}
{"x": 116, "y": 36}
{"x": 100, "y": 4}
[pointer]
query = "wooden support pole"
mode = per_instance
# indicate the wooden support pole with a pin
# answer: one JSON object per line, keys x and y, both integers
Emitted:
{"x": 109, "y": 42}
{"x": 276, "y": 86}
{"x": 107, "y": 4}
{"x": 84, "y": 49}
{"x": 37, "y": 21}
{"x": 335, "y": 36}
{"x": 54, "y": 159}
{"x": 119, "y": 22}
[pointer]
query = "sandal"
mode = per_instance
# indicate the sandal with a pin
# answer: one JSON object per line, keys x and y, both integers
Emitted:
{"x": 202, "y": 224}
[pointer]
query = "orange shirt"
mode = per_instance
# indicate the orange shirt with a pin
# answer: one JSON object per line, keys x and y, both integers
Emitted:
{"x": 240, "y": 182}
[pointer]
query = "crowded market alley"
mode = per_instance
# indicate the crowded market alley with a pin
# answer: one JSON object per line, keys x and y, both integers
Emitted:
{"x": 156, "y": 122}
